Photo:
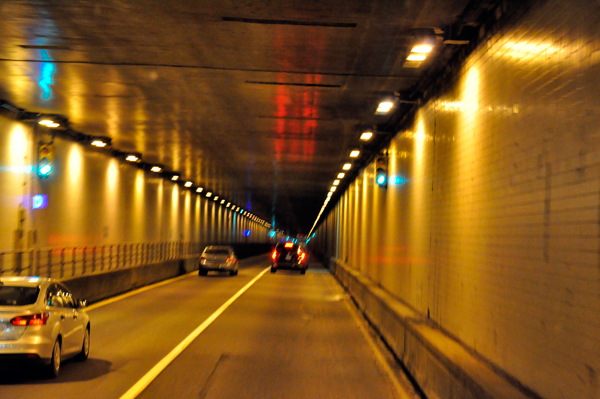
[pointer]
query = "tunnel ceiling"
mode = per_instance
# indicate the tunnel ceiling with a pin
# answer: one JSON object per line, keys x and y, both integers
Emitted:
{"x": 258, "y": 101}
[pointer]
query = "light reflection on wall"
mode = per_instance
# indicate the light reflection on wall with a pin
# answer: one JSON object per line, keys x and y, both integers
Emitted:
{"x": 139, "y": 195}
{"x": 75, "y": 165}
{"x": 174, "y": 212}
{"x": 46, "y": 71}
{"x": 18, "y": 146}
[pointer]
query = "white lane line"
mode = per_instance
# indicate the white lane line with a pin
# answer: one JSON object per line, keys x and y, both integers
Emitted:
{"x": 400, "y": 389}
{"x": 138, "y": 291}
{"x": 135, "y": 390}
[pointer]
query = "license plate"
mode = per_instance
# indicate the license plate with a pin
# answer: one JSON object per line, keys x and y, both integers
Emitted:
{"x": 288, "y": 257}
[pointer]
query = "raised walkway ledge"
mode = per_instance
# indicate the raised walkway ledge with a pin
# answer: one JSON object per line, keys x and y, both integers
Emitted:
{"x": 442, "y": 367}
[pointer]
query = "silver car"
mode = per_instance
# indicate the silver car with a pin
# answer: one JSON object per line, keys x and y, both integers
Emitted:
{"x": 220, "y": 258}
{"x": 41, "y": 321}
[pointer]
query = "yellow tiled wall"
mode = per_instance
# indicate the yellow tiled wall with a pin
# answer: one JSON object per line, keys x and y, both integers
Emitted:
{"x": 496, "y": 233}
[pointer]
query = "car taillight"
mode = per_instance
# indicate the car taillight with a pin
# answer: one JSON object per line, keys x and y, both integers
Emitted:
{"x": 274, "y": 255}
{"x": 202, "y": 258}
{"x": 38, "y": 319}
{"x": 228, "y": 258}
{"x": 302, "y": 256}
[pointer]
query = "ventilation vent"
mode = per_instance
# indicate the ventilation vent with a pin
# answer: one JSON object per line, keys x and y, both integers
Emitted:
{"x": 290, "y": 22}
{"x": 256, "y": 82}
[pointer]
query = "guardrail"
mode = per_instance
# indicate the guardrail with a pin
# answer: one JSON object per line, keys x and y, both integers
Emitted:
{"x": 81, "y": 260}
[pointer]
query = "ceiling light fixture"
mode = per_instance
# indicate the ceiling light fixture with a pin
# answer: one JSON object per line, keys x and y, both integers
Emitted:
{"x": 354, "y": 153}
{"x": 199, "y": 189}
{"x": 384, "y": 107}
{"x": 347, "y": 166}
{"x": 188, "y": 184}
{"x": 365, "y": 136}
{"x": 156, "y": 169}
{"x": 341, "y": 175}
{"x": 133, "y": 157}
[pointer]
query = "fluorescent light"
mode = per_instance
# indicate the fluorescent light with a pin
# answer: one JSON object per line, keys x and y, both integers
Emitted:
{"x": 341, "y": 175}
{"x": 46, "y": 122}
{"x": 422, "y": 48}
{"x": 416, "y": 57}
{"x": 222, "y": 202}
{"x": 354, "y": 153}
{"x": 98, "y": 143}
{"x": 199, "y": 189}
{"x": 384, "y": 107}
{"x": 366, "y": 136}
{"x": 188, "y": 184}
{"x": 156, "y": 169}
{"x": 228, "y": 204}
{"x": 132, "y": 158}
{"x": 333, "y": 189}
{"x": 208, "y": 194}
{"x": 175, "y": 177}
{"x": 336, "y": 182}
{"x": 216, "y": 197}
{"x": 347, "y": 166}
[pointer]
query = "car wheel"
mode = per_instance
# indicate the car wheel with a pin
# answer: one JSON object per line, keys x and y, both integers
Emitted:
{"x": 303, "y": 271}
{"x": 202, "y": 272}
{"x": 236, "y": 272}
{"x": 232, "y": 273}
{"x": 85, "y": 347}
{"x": 273, "y": 270}
{"x": 54, "y": 366}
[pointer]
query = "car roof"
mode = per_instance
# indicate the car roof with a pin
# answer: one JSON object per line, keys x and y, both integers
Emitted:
{"x": 26, "y": 281}
{"x": 218, "y": 247}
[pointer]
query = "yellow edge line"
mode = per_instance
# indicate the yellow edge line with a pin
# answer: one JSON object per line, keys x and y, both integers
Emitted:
{"x": 135, "y": 390}
{"x": 138, "y": 291}
{"x": 400, "y": 390}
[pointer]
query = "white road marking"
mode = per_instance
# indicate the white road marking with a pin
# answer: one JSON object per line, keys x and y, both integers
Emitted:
{"x": 135, "y": 390}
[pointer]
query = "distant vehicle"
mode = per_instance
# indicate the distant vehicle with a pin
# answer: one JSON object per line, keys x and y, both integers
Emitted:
{"x": 219, "y": 258}
{"x": 289, "y": 256}
{"x": 41, "y": 322}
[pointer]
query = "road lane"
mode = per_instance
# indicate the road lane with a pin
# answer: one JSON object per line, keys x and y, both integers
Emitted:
{"x": 289, "y": 336}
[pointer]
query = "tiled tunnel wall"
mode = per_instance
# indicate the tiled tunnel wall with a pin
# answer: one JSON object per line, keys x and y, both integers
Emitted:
{"x": 495, "y": 234}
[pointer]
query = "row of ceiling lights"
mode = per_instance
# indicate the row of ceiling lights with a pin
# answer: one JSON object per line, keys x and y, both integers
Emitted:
{"x": 136, "y": 158}
{"x": 417, "y": 55}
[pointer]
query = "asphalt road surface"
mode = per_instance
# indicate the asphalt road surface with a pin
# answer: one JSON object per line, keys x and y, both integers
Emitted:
{"x": 256, "y": 335}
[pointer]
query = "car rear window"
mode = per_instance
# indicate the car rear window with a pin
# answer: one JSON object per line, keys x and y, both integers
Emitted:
{"x": 281, "y": 247}
{"x": 18, "y": 296}
{"x": 217, "y": 252}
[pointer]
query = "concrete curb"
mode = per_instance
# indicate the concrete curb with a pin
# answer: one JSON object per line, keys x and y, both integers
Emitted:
{"x": 442, "y": 366}
{"x": 99, "y": 286}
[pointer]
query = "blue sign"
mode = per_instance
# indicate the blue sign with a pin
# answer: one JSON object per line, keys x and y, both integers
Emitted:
{"x": 39, "y": 201}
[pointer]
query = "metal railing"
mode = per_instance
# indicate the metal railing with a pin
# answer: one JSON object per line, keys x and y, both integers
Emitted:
{"x": 81, "y": 260}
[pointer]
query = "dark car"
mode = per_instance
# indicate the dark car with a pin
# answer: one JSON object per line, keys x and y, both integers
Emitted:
{"x": 289, "y": 256}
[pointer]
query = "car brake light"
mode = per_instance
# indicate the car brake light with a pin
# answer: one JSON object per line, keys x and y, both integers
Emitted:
{"x": 274, "y": 255}
{"x": 302, "y": 256}
{"x": 38, "y": 319}
{"x": 289, "y": 244}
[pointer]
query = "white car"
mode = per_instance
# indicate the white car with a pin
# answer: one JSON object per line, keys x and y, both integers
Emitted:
{"x": 220, "y": 258}
{"x": 41, "y": 321}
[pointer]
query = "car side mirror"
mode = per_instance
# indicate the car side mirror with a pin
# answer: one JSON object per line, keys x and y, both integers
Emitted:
{"x": 81, "y": 303}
